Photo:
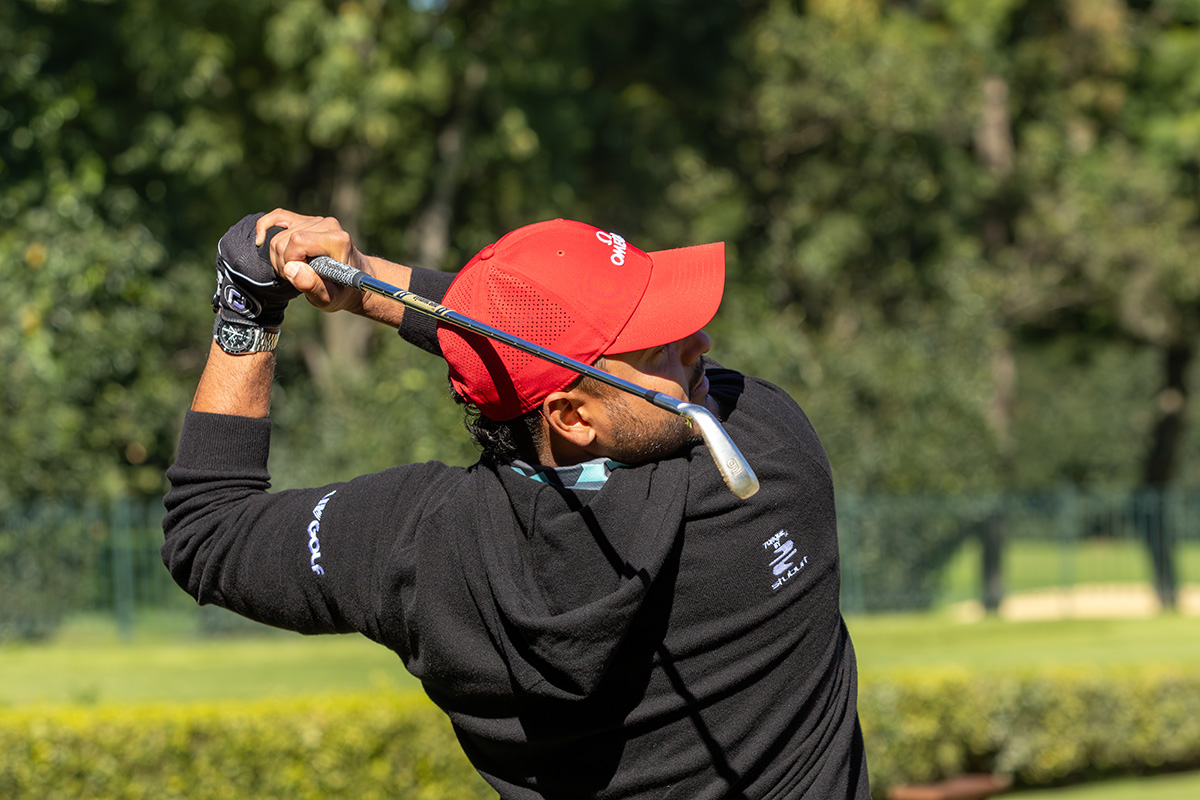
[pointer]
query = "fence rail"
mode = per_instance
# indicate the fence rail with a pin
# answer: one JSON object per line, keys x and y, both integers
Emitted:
{"x": 898, "y": 553}
{"x": 920, "y": 552}
{"x": 58, "y": 559}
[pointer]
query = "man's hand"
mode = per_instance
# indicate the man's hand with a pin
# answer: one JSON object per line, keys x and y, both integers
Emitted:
{"x": 305, "y": 238}
{"x": 248, "y": 290}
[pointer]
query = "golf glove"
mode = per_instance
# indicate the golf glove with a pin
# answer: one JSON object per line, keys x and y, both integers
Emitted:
{"x": 248, "y": 290}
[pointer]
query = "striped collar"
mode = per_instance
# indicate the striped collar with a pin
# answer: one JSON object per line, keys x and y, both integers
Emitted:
{"x": 588, "y": 475}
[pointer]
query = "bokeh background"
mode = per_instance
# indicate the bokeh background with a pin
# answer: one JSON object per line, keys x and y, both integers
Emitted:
{"x": 962, "y": 233}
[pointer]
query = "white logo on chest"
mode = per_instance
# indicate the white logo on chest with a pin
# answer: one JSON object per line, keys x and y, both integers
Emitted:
{"x": 784, "y": 565}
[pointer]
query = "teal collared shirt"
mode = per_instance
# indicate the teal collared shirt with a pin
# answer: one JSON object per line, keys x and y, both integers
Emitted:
{"x": 588, "y": 475}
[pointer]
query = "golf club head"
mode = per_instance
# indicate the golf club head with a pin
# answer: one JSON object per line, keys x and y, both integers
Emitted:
{"x": 737, "y": 474}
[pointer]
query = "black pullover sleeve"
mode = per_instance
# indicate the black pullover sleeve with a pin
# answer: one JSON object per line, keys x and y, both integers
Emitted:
{"x": 417, "y": 328}
{"x": 308, "y": 560}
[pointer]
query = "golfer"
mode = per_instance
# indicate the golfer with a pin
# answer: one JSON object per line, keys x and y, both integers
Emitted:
{"x": 595, "y": 612}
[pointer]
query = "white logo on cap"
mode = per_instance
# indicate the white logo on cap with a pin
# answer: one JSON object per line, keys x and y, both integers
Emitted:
{"x": 618, "y": 245}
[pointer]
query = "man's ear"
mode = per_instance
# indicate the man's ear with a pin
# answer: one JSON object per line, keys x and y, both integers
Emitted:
{"x": 567, "y": 417}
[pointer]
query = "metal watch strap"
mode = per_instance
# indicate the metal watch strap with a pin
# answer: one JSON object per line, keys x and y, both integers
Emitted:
{"x": 241, "y": 339}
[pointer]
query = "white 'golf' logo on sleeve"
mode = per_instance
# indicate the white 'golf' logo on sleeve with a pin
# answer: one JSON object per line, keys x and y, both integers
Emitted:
{"x": 787, "y": 560}
{"x": 314, "y": 528}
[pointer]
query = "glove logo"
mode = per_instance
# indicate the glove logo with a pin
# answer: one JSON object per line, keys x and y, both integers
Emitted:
{"x": 247, "y": 287}
{"x": 240, "y": 302}
{"x": 232, "y": 297}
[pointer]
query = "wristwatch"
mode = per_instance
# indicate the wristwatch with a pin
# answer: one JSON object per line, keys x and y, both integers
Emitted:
{"x": 238, "y": 339}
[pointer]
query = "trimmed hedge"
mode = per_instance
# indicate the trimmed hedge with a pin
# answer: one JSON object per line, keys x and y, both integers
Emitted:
{"x": 1044, "y": 727}
{"x": 390, "y": 746}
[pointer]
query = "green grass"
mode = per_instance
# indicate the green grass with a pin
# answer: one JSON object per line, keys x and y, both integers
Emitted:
{"x": 899, "y": 641}
{"x": 88, "y": 663}
{"x": 890, "y": 642}
{"x": 163, "y": 661}
{"x": 1162, "y": 787}
{"x": 1030, "y": 565}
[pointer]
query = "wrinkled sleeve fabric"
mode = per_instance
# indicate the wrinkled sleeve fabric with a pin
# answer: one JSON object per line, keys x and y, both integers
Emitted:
{"x": 308, "y": 560}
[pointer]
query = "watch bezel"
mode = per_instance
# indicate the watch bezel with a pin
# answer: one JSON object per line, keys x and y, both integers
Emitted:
{"x": 245, "y": 338}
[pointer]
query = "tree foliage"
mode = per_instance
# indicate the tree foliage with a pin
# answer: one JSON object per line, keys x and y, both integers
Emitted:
{"x": 959, "y": 231}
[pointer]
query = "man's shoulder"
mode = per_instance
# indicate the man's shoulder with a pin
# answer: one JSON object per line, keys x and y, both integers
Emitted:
{"x": 762, "y": 416}
{"x": 426, "y": 497}
{"x": 435, "y": 477}
{"x": 738, "y": 391}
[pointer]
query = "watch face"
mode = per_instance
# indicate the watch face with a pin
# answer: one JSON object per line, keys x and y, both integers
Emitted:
{"x": 235, "y": 338}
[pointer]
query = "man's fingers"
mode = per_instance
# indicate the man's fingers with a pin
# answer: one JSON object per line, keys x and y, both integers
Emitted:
{"x": 320, "y": 292}
{"x": 319, "y": 239}
{"x": 281, "y": 218}
{"x": 301, "y": 275}
{"x": 265, "y": 223}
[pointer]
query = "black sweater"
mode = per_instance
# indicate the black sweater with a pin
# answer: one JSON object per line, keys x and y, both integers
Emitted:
{"x": 658, "y": 638}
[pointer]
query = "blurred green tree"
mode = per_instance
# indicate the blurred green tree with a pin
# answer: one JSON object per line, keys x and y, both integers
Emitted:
{"x": 921, "y": 200}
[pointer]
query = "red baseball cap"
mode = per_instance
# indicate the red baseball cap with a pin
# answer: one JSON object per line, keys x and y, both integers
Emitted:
{"x": 574, "y": 289}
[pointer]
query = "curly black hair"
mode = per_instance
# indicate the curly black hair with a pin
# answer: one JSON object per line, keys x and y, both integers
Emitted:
{"x": 503, "y": 442}
{"x": 520, "y": 437}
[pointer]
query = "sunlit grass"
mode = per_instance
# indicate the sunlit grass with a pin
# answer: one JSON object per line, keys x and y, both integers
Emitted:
{"x": 1033, "y": 565}
{"x": 88, "y": 662}
{"x": 888, "y": 641}
{"x": 165, "y": 660}
{"x": 1162, "y": 787}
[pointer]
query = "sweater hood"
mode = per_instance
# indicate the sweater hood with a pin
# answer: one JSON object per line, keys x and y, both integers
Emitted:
{"x": 566, "y": 574}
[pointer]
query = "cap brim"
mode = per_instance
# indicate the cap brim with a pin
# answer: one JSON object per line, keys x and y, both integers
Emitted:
{"x": 684, "y": 292}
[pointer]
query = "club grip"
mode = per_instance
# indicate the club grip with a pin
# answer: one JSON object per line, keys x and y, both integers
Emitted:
{"x": 337, "y": 272}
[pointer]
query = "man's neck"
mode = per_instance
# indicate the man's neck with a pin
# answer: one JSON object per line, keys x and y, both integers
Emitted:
{"x": 554, "y": 451}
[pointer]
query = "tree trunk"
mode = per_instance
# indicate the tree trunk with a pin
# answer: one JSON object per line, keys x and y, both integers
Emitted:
{"x": 429, "y": 236}
{"x": 999, "y": 417}
{"x": 994, "y": 146}
{"x": 1172, "y": 403}
{"x": 1160, "y": 466}
{"x": 345, "y": 338}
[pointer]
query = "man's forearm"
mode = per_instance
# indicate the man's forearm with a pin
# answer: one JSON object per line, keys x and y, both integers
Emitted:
{"x": 381, "y": 309}
{"x": 237, "y": 385}
{"x": 240, "y": 385}
{"x": 416, "y": 328}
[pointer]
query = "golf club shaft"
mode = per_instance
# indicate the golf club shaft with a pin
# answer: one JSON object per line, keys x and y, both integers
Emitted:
{"x": 737, "y": 474}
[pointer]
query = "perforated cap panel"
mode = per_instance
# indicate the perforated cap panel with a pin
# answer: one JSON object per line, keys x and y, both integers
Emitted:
{"x": 523, "y": 311}
{"x": 571, "y": 288}
{"x": 514, "y": 307}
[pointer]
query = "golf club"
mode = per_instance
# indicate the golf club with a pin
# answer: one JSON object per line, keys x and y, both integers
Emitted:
{"x": 738, "y": 475}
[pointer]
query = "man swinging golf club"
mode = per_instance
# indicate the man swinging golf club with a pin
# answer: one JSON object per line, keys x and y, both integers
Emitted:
{"x": 598, "y": 616}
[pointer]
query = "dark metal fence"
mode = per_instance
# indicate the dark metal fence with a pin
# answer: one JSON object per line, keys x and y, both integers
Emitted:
{"x": 58, "y": 559}
{"x": 1073, "y": 551}
{"x": 1065, "y": 552}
